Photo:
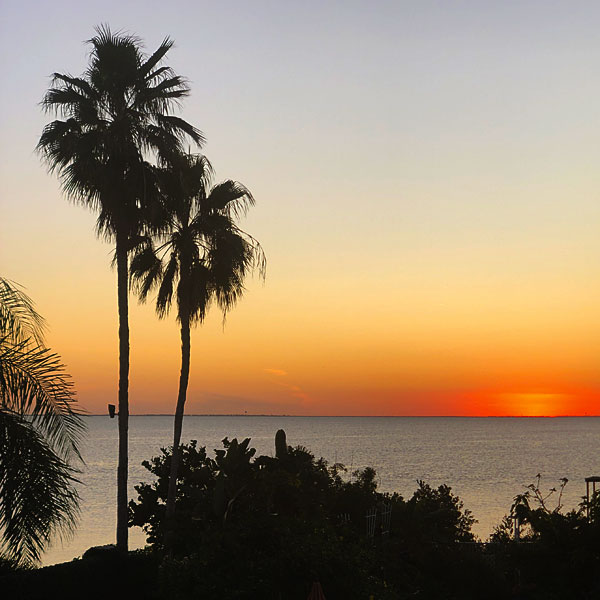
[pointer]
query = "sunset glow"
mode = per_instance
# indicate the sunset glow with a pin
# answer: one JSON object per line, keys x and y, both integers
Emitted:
{"x": 428, "y": 203}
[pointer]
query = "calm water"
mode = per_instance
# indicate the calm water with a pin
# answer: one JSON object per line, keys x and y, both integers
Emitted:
{"x": 486, "y": 461}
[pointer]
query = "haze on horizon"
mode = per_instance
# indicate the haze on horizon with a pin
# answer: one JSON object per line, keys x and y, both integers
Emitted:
{"x": 427, "y": 187}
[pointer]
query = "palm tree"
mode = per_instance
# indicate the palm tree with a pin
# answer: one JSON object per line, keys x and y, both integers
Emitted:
{"x": 201, "y": 258}
{"x": 40, "y": 430}
{"x": 116, "y": 119}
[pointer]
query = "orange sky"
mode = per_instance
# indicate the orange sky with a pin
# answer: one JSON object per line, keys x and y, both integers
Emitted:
{"x": 415, "y": 342}
{"x": 351, "y": 345}
{"x": 429, "y": 205}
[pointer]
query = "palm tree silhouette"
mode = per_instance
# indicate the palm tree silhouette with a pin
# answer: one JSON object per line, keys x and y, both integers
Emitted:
{"x": 116, "y": 119}
{"x": 40, "y": 431}
{"x": 202, "y": 257}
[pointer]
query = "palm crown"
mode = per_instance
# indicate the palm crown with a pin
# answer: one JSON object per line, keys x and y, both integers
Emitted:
{"x": 203, "y": 256}
{"x": 116, "y": 117}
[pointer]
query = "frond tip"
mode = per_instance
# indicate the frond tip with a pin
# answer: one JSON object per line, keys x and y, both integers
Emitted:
{"x": 18, "y": 317}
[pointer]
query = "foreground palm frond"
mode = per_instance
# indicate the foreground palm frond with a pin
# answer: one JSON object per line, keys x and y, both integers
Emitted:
{"x": 33, "y": 380}
{"x": 40, "y": 431}
{"x": 37, "y": 497}
{"x": 18, "y": 317}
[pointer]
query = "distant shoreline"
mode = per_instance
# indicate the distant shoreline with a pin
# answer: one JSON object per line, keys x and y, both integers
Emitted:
{"x": 361, "y": 416}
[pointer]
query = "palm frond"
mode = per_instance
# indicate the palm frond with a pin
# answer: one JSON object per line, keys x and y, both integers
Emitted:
{"x": 38, "y": 499}
{"x": 108, "y": 48}
{"x": 33, "y": 382}
{"x": 197, "y": 176}
{"x": 145, "y": 270}
{"x": 208, "y": 223}
{"x": 165, "y": 144}
{"x": 59, "y": 142}
{"x": 230, "y": 258}
{"x": 231, "y": 197}
{"x": 180, "y": 128}
{"x": 155, "y": 59}
{"x": 18, "y": 318}
{"x": 166, "y": 288}
{"x": 68, "y": 100}
{"x": 76, "y": 82}
{"x": 257, "y": 257}
{"x": 159, "y": 97}
{"x": 200, "y": 292}
{"x": 160, "y": 72}
{"x": 105, "y": 37}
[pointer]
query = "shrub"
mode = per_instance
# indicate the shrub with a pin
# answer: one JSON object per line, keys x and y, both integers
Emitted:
{"x": 249, "y": 527}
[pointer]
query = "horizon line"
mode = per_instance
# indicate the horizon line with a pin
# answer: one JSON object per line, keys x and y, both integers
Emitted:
{"x": 577, "y": 416}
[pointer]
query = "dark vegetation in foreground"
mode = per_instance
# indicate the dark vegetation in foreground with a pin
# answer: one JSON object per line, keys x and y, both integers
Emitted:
{"x": 268, "y": 527}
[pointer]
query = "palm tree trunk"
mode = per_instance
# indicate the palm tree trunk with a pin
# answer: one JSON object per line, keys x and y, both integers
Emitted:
{"x": 178, "y": 424}
{"x": 122, "y": 294}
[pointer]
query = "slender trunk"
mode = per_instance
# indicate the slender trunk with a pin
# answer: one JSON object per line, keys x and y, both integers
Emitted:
{"x": 178, "y": 423}
{"x": 122, "y": 293}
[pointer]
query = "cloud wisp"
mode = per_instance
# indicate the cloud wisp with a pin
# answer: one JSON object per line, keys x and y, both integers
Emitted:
{"x": 278, "y": 378}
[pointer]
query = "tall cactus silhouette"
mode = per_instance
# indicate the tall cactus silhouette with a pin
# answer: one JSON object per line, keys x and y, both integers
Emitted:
{"x": 280, "y": 444}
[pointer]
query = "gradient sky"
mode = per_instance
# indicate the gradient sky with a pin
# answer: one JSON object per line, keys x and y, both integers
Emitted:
{"x": 427, "y": 177}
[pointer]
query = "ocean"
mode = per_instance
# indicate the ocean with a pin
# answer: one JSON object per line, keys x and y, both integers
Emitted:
{"x": 486, "y": 461}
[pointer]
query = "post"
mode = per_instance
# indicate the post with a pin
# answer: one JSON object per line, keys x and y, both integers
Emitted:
{"x": 593, "y": 480}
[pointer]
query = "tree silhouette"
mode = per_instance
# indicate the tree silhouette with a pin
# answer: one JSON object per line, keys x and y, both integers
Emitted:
{"x": 201, "y": 258}
{"x": 116, "y": 129}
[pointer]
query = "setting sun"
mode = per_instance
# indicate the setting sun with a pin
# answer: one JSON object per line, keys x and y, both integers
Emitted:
{"x": 534, "y": 404}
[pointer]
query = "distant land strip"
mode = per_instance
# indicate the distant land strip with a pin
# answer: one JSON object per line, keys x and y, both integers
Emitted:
{"x": 357, "y": 416}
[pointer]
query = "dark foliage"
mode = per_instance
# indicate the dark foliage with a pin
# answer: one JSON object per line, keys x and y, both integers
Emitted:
{"x": 268, "y": 527}
{"x": 97, "y": 578}
{"x": 249, "y": 527}
{"x": 558, "y": 553}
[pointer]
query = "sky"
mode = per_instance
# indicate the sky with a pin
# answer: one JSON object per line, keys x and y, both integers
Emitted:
{"x": 428, "y": 196}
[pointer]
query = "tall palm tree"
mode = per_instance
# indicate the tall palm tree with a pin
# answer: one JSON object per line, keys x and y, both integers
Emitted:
{"x": 40, "y": 430}
{"x": 117, "y": 128}
{"x": 201, "y": 258}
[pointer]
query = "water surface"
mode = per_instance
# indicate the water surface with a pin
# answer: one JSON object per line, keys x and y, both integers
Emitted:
{"x": 486, "y": 461}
